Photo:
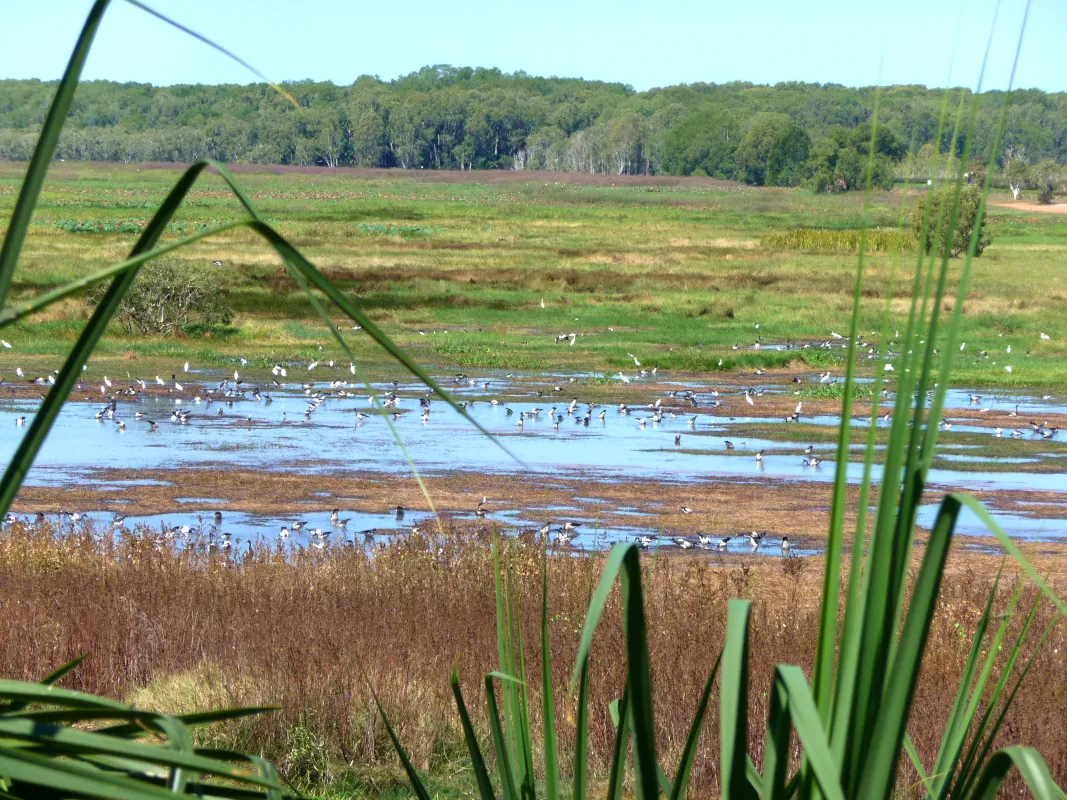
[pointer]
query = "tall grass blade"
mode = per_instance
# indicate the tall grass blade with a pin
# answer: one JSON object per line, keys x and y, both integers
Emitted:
{"x": 689, "y": 752}
{"x": 733, "y": 708}
{"x": 826, "y": 644}
{"x": 961, "y": 715}
{"x": 617, "y": 771}
{"x": 596, "y": 605}
{"x": 481, "y": 774}
{"x": 1031, "y": 766}
{"x": 986, "y": 732}
{"x": 776, "y": 753}
{"x": 409, "y": 769}
{"x": 46, "y": 415}
{"x": 639, "y": 678}
{"x": 13, "y": 314}
{"x": 500, "y": 745}
{"x": 580, "y": 776}
{"x": 548, "y": 710}
{"x": 880, "y": 766}
{"x": 520, "y": 698}
{"x": 45, "y": 150}
{"x": 1010, "y": 547}
{"x": 809, "y": 728}
{"x": 71, "y": 778}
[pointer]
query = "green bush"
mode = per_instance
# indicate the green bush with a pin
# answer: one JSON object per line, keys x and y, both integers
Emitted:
{"x": 934, "y": 230}
{"x": 169, "y": 294}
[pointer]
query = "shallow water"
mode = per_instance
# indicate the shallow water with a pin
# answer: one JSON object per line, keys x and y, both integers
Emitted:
{"x": 280, "y": 436}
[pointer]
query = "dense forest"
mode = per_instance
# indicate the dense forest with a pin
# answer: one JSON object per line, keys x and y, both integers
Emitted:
{"x": 446, "y": 117}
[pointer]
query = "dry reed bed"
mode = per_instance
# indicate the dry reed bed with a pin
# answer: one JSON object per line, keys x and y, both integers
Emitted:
{"x": 297, "y": 630}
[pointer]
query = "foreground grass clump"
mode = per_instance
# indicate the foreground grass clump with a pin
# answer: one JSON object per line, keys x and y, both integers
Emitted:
{"x": 188, "y": 630}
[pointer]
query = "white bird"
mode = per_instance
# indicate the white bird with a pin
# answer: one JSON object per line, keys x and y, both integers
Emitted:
{"x": 1043, "y": 336}
{"x": 186, "y": 367}
{"x": 8, "y": 346}
{"x": 785, "y": 544}
{"x": 542, "y": 302}
{"x": 159, "y": 381}
{"x": 1007, "y": 369}
{"x": 622, "y": 378}
{"x": 177, "y": 386}
{"x": 748, "y": 398}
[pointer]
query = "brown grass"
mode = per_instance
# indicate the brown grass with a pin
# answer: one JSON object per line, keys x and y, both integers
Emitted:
{"x": 191, "y": 628}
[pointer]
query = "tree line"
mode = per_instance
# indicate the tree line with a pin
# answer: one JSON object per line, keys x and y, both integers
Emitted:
{"x": 444, "y": 117}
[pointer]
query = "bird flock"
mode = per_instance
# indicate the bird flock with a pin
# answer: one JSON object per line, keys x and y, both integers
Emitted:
{"x": 559, "y": 406}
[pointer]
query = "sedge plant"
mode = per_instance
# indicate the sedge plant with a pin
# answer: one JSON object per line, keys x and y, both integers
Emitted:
{"x": 851, "y": 718}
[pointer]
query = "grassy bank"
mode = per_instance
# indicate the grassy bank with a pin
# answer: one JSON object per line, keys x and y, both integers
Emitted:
{"x": 679, "y": 275}
{"x": 184, "y": 630}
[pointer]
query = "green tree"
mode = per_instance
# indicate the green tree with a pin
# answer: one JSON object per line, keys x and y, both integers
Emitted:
{"x": 754, "y": 151}
{"x": 839, "y": 162}
{"x": 1046, "y": 174}
{"x": 1016, "y": 174}
{"x": 789, "y": 153}
{"x": 940, "y": 203}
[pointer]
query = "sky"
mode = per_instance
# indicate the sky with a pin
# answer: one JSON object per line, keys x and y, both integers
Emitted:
{"x": 851, "y": 42}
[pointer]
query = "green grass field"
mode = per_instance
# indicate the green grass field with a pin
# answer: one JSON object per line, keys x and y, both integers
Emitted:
{"x": 679, "y": 276}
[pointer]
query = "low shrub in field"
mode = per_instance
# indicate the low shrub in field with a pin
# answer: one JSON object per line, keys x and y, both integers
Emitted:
{"x": 827, "y": 240}
{"x": 169, "y": 294}
{"x": 933, "y": 228}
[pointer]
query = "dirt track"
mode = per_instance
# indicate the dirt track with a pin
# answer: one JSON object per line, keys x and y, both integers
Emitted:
{"x": 1055, "y": 208}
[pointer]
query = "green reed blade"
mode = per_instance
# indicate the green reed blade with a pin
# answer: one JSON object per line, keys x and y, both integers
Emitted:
{"x": 521, "y": 699}
{"x": 13, "y": 314}
{"x": 879, "y": 768}
{"x": 70, "y": 373}
{"x": 689, "y": 752}
{"x": 776, "y": 753}
{"x": 733, "y": 702}
{"x": 70, "y": 741}
{"x": 617, "y": 771}
{"x": 75, "y": 779}
{"x": 548, "y": 710}
{"x": 500, "y": 745}
{"x": 959, "y": 718}
{"x": 809, "y": 728}
{"x": 1012, "y": 549}
{"x": 826, "y": 644}
{"x": 986, "y": 732}
{"x": 1031, "y": 766}
{"x": 139, "y": 722}
{"x": 596, "y": 605}
{"x": 913, "y": 755}
{"x": 44, "y": 151}
{"x": 409, "y": 769}
{"x": 481, "y": 774}
{"x": 580, "y": 778}
{"x": 639, "y": 678}
{"x": 295, "y": 260}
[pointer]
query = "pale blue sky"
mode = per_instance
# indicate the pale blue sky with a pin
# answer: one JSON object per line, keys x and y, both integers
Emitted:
{"x": 642, "y": 43}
